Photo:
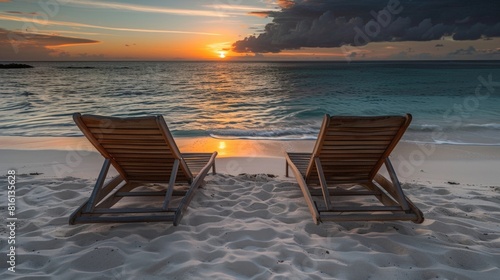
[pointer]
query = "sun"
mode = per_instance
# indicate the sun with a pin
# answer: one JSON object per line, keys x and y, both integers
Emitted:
{"x": 222, "y": 54}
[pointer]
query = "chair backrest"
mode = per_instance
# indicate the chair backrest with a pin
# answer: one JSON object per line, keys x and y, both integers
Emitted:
{"x": 352, "y": 149}
{"x": 140, "y": 148}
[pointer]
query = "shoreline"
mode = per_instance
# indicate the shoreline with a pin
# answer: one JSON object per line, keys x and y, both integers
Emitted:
{"x": 414, "y": 162}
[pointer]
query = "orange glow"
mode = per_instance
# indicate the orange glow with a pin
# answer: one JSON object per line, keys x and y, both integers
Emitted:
{"x": 222, "y": 148}
{"x": 159, "y": 47}
{"x": 222, "y": 145}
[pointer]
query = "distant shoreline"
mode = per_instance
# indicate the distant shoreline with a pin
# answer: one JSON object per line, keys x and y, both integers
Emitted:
{"x": 15, "y": 66}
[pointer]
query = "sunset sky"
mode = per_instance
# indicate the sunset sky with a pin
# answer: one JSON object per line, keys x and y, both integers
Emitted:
{"x": 248, "y": 30}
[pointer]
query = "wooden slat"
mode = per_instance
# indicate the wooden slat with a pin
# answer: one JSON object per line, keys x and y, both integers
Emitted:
{"x": 337, "y": 192}
{"x": 128, "y": 141}
{"x": 152, "y": 179}
{"x": 156, "y": 193}
{"x": 356, "y": 142}
{"x": 353, "y": 133}
{"x": 196, "y": 155}
{"x": 351, "y": 151}
{"x": 345, "y": 167}
{"x": 156, "y": 178}
{"x": 108, "y": 124}
{"x": 126, "y": 137}
{"x": 147, "y": 169}
{"x": 141, "y": 158}
{"x": 337, "y": 169}
{"x": 144, "y": 164}
{"x": 300, "y": 160}
{"x": 141, "y": 171}
{"x": 123, "y": 131}
{"x": 363, "y": 209}
{"x": 344, "y": 162}
{"x": 351, "y": 156}
{"x": 326, "y": 216}
{"x": 366, "y": 122}
{"x": 346, "y": 173}
{"x": 365, "y": 130}
{"x": 355, "y": 147}
{"x": 331, "y": 177}
{"x": 142, "y": 152}
{"x": 137, "y": 146}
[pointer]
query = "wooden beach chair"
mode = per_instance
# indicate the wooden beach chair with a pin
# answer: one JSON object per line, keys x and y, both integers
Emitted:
{"x": 344, "y": 165}
{"x": 151, "y": 169}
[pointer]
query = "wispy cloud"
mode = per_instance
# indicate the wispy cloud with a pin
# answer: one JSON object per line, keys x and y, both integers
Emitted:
{"x": 41, "y": 39}
{"x": 242, "y": 10}
{"x": 21, "y": 13}
{"x": 262, "y": 14}
{"x": 18, "y": 46}
{"x": 76, "y": 24}
{"x": 72, "y": 32}
{"x": 227, "y": 7}
{"x": 148, "y": 9}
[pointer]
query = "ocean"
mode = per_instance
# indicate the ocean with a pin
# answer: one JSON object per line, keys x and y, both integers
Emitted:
{"x": 451, "y": 102}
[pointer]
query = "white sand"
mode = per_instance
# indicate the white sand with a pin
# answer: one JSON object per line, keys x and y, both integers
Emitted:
{"x": 255, "y": 226}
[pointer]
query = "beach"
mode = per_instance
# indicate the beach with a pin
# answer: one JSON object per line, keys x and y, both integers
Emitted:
{"x": 398, "y": 101}
{"x": 251, "y": 222}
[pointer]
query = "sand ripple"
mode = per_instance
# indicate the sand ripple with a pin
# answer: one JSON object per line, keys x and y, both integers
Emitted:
{"x": 257, "y": 227}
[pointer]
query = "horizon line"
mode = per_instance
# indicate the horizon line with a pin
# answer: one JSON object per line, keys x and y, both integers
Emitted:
{"x": 249, "y": 60}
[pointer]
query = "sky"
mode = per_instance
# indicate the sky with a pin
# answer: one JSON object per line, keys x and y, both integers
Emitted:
{"x": 46, "y": 30}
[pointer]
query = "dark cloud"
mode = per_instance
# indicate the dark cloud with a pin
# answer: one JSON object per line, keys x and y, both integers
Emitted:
{"x": 15, "y": 45}
{"x": 334, "y": 23}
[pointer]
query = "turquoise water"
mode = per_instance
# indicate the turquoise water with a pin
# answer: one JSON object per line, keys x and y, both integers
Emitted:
{"x": 263, "y": 100}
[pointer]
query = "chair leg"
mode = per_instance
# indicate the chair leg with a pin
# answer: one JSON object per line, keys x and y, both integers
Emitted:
{"x": 197, "y": 182}
{"x": 387, "y": 186}
{"x": 322, "y": 181}
{"x": 171, "y": 183}
{"x": 105, "y": 190}
{"x": 399, "y": 195}
{"x": 98, "y": 186}
{"x": 305, "y": 190}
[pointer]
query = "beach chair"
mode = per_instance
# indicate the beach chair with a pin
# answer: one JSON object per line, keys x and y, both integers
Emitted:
{"x": 342, "y": 172}
{"x": 155, "y": 182}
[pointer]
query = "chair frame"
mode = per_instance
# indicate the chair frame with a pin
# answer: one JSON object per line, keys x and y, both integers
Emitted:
{"x": 98, "y": 208}
{"x": 395, "y": 204}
